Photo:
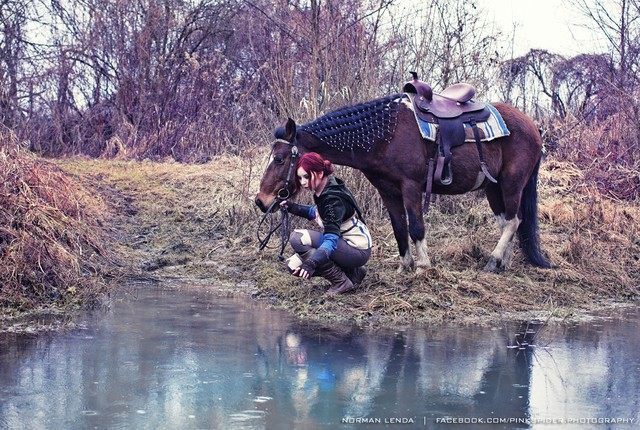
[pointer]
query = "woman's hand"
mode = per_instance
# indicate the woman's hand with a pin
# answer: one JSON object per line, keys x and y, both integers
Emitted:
{"x": 299, "y": 271}
{"x": 309, "y": 265}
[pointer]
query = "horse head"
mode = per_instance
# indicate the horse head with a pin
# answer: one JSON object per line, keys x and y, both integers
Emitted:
{"x": 279, "y": 180}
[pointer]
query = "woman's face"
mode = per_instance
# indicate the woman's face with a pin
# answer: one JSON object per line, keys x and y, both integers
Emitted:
{"x": 307, "y": 180}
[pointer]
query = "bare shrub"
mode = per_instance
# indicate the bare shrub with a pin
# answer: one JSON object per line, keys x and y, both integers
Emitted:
{"x": 52, "y": 245}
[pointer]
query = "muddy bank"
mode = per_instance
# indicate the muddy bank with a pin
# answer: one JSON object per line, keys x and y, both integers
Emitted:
{"x": 196, "y": 224}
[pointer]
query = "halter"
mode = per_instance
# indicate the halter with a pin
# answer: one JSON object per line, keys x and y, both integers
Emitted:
{"x": 282, "y": 195}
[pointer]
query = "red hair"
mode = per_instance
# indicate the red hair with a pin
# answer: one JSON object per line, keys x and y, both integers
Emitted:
{"x": 312, "y": 162}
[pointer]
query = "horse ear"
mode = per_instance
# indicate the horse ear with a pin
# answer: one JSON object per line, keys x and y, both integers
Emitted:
{"x": 290, "y": 130}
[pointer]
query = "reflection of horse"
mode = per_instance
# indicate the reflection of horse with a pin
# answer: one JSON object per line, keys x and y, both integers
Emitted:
{"x": 381, "y": 138}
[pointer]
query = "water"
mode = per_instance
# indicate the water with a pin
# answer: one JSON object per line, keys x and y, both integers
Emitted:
{"x": 184, "y": 359}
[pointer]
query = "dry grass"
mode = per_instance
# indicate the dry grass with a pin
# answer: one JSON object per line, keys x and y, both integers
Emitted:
{"x": 177, "y": 220}
{"x": 197, "y": 222}
{"x": 53, "y": 250}
{"x": 605, "y": 151}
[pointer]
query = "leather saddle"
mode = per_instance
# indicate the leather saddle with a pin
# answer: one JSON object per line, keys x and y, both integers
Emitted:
{"x": 450, "y": 109}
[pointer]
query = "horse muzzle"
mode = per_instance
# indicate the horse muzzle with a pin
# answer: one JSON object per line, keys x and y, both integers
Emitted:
{"x": 260, "y": 205}
{"x": 260, "y": 202}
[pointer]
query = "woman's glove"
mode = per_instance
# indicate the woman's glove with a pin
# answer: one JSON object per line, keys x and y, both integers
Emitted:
{"x": 296, "y": 209}
{"x": 299, "y": 210}
{"x": 308, "y": 267}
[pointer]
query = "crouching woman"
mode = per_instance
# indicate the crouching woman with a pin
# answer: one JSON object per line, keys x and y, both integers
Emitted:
{"x": 340, "y": 251}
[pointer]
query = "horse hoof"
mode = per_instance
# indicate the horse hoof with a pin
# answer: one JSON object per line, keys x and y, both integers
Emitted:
{"x": 422, "y": 267}
{"x": 403, "y": 269}
{"x": 425, "y": 264}
{"x": 494, "y": 265}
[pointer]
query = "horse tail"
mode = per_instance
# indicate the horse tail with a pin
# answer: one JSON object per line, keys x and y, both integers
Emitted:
{"x": 528, "y": 229}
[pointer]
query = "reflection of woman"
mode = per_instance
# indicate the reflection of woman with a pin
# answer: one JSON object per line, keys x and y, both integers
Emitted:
{"x": 296, "y": 353}
{"x": 340, "y": 252}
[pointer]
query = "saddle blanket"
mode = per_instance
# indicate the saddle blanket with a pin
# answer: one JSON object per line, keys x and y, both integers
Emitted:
{"x": 493, "y": 128}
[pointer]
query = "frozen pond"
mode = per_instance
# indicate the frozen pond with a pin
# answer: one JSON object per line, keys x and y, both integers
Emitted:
{"x": 187, "y": 359}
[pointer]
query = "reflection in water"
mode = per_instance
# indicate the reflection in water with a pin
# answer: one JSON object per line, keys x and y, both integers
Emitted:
{"x": 175, "y": 359}
{"x": 589, "y": 361}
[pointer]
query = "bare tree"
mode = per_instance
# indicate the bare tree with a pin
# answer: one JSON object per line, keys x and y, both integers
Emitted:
{"x": 190, "y": 78}
{"x": 15, "y": 17}
{"x": 619, "y": 22}
{"x": 583, "y": 85}
{"x": 525, "y": 79}
{"x": 445, "y": 42}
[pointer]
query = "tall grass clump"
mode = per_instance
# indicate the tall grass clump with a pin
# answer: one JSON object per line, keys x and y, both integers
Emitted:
{"x": 606, "y": 151}
{"x": 52, "y": 243}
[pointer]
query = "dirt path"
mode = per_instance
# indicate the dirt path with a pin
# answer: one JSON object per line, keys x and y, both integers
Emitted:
{"x": 195, "y": 225}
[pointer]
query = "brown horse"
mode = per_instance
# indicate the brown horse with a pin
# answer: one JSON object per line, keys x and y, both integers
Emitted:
{"x": 381, "y": 138}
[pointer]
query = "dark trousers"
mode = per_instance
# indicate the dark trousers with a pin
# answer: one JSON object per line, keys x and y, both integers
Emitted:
{"x": 345, "y": 255}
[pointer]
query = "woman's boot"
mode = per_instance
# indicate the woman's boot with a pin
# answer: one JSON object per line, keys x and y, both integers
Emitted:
{"x": 333, "y": 273}
{"x": 356, "y": 274}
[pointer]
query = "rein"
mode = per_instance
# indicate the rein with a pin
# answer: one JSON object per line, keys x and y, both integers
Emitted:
{"x": 283, "y": 194}
{"x": 283, "y": 225}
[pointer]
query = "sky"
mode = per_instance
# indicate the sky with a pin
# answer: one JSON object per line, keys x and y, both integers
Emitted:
{"x": 543, "y": 24}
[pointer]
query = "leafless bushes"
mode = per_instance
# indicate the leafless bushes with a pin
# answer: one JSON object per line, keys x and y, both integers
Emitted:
{"x": 589, "y": 104}
{"x": 190, "y": 79}
{"x": 586, "y": 116}
{"x": 187, "y": 79}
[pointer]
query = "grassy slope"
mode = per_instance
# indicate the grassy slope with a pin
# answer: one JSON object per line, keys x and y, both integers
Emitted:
{"x": 55, "y": 252}
{"x": 197, "y": 223}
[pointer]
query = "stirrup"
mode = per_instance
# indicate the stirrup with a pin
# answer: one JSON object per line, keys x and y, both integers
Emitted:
{"x": 447, "y": 178}
{"x": 484, "y": 169}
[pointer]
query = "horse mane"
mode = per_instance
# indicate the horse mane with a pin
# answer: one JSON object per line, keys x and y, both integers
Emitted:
{"x": 357, "y": 127}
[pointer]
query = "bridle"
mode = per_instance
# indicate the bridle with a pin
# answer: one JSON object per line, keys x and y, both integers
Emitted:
{"x": 282, "y": 195}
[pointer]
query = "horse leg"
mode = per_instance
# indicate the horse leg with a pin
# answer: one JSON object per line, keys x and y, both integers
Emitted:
{"x": 392, "y": 199}
{"x": 399, "y": 223}
{"x": 505, "y": 205}
{"x": 412, "y": 195}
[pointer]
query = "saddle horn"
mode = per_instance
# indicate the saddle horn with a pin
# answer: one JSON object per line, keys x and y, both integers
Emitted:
{"x": 418, "y": 87}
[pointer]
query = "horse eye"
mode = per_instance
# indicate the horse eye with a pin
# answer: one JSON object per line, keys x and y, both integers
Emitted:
{"x": 278, "y": 160}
